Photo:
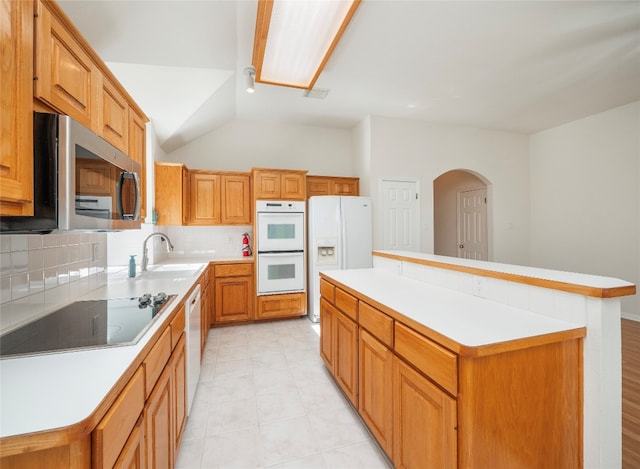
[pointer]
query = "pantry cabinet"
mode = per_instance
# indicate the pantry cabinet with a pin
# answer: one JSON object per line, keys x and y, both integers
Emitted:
{"x": 332, "y": 185}
{"x": 275, "y": 184}
{"x": 234, "y": 292}
{"x": 16, "y": 118}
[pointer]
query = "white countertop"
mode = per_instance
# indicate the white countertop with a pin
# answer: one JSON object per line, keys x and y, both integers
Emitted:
{"x": 49, "y": 391}
{"x": 587, "y": 280}
{"x": 466, "y": 319}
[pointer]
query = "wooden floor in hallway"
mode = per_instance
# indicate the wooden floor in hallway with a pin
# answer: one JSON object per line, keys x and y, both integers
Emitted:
{"x": 630, "y": 394}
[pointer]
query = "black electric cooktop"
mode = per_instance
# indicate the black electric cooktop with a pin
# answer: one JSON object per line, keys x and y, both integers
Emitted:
{"x": 86, "y": 324}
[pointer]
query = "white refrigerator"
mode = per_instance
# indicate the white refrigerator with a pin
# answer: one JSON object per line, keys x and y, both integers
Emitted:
{"x": 339, "y": 237}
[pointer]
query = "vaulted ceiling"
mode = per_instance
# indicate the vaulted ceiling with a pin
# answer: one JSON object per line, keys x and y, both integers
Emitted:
{"x": 510, "y": 65}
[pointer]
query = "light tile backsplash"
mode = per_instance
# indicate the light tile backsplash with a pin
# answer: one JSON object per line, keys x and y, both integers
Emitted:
{"x": 41, "y": 272}
{"x": 194, "y": 241}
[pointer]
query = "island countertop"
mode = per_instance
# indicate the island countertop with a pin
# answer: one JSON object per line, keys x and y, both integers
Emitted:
{"x": 466, "y": 324}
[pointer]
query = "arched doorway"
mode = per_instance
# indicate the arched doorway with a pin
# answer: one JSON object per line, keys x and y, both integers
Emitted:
{"x": 460, "y": 215}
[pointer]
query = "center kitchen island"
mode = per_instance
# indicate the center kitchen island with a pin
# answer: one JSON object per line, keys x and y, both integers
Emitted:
{"x": 447, "y": 378}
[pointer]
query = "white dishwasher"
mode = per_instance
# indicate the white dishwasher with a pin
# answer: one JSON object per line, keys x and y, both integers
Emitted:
{"x": 193, "y": 344}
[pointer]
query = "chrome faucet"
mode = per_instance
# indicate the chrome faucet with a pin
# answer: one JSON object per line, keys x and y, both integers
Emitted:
{"x": 145, "y": 252}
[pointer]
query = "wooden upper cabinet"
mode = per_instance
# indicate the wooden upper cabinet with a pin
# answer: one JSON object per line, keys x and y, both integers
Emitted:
{"x": 66, "y": 76}
{"x": 332, "y": 185}
{"x": 138, "y": 152}
{"x": 279, "y": 184}
{"x": 236, "y": 199}
{"x": 16, "y": 119}
{"x": 171, "y": 193}
{"x": 204, "y": 198}
{"x": 114, "y": 116}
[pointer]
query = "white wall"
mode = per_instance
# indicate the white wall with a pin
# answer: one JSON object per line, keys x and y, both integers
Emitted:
{"x": 424, "y": 151}
{"x": 585, "y": 197}
{"x": 242, "y": 145}
{"x": 362, "y": 154}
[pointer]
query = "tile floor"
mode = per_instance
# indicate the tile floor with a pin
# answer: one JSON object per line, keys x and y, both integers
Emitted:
{"x": 265, "y": 399}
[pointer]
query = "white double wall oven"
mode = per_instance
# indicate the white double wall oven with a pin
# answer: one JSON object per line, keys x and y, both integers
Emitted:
{"x": 280, "y": 227}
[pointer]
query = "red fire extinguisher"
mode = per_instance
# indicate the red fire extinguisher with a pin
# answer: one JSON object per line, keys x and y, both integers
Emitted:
{"x": 246, "y": 249}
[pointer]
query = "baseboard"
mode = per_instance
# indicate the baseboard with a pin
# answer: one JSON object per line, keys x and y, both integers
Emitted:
{"x": 631, "y": 316}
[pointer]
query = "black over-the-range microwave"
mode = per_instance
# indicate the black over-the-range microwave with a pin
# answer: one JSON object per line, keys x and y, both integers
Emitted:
{"x": 80, "y": 181}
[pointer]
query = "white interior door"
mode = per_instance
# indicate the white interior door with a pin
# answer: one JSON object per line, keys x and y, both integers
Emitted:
{"x": 472, "y": 224}
{"x": 400, "y": 215}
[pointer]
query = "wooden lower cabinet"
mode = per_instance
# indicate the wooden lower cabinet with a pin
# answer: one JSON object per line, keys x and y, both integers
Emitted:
{"x": 339, "y": 348}
{"x": 424, "y": 421}
{"x": 281, "y": 306}
{"x": 327, "y": 313}
{"x": 234, "y": 292}
{"x": 158, "y": 424}
{"x": 133, "y": 453}
{"x": 375, "y": 389}
{"x": 345, "y": 366}
{"x": 178, "y": 366}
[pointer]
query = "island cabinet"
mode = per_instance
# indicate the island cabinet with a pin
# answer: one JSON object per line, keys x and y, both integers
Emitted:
{"x": 16, "y": 118}
{"x": 332, "y": 185}
{"x": 276, "y": 184}
{"x": 431, "y": 401}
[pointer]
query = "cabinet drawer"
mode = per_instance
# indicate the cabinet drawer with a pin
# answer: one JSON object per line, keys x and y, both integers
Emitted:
{"x": 377, "y": 323}
{"x": 156, "y": 360}
{"x": 436, "y": 362}
{"x": 112, "y": 432}
{"x": 327, "y": 291}
{"x": 346, "y": 303}
{"x": 177, "y": 327}
{"x": 233, "y": 270}
{"x": 277, "y": 306}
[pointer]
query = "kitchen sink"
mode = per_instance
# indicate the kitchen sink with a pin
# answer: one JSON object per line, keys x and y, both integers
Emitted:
{"x": 168, "y": 271}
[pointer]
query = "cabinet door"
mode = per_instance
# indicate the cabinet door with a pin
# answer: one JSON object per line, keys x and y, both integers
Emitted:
{"x": 170, "y": 181}
{"x": 233, "y": 299}
{"x": 157, "y": 422}
{"x": 138, "y": 151}
{"x": 204, "y": 190}
{"x": 114, "y": 116}
{"x": 346, "y": 355}
{"x": 267, "y": 184}
{"x": 281, "y": 306}
{"x": 236, "y": 199}
{"x": 345, "y": 186}
{"x": 318, "y": 185}
{"x": 179, "y": 391}
{"x": 424, "y": 421}
{"x": 327, "y": 313}
{"x": 293, "y": 186}
{"x": 67, "y": 78}
{"x": 16, "y": 118}
{"x": 375, "y": 393}
{"x": 132, "y": 456}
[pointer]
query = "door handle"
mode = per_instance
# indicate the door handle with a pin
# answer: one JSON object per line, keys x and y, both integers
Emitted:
{"x": 461, "y": 246}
